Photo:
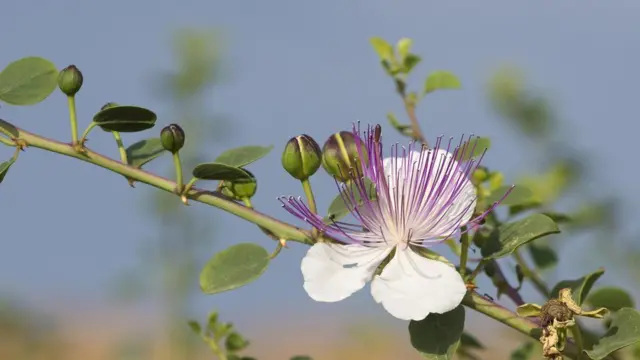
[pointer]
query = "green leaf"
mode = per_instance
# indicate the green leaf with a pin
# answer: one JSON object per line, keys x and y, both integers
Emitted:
{"x": 382, "y": 48}
{"x": 338, "y": 209}
{"x": 28, "y": 81}
{"x": 301, "y": 358}
{"x": 518, "y": 195}
{"x": 508, "y": 237}
{"x": 4, "y": 168}
{"x": 125, "y": 119}
{"x": 473, "y": 148}
{"x": 404, "y": 47}
{"x": 438, "y": 335}
{"x": 543, "y": 256}
{"x": 441, "y": 80}
{"x": 233, "y": 267}
{"x": 216, "y": 171}
{"x": 8, "y": 129}
{"x": 523, "y": 352}
{"x": 580, "y": 287}
{"x": 410, "y": 62}
{"x": 612, "y": 298}
{"x": 243, "y": 156}
{"x": 195, "y": 327}
{"x": 144, "y": 151}
{"x": 624, "y": 331}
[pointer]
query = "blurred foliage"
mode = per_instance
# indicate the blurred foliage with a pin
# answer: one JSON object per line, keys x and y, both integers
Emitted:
{"x": 172, "y": 256}
{"x": 27, "y": 334}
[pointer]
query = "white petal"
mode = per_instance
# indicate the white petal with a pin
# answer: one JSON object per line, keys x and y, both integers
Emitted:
{"x": 410, "y": 286}
{"x": 333, "y": 272}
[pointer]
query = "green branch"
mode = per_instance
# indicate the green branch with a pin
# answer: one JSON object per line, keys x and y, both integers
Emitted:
{"x": 212, "y": 198}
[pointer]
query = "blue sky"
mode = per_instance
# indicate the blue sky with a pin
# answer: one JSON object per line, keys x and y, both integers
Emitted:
{"x": 293, "y": 67}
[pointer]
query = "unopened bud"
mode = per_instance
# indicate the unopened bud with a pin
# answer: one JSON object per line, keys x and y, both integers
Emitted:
{"x": 70, "y": 80}
{"x": 340, "y": 155}
{"x": 240, "y": 189}
{"x": 172, "y": 138}
{"x": 301, "y": 157}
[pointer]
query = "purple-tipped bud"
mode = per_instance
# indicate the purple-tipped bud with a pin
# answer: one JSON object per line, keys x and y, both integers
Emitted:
{"x": 340, "y": 155}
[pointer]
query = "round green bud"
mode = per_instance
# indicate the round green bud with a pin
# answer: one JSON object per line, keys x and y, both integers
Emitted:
{"x": 301, "y": 157}
{"x": 235, "y": 342}
{"x": 172, "y": 138}
{"x": 240, "y": 189}
{"x": 70, "y": 80}
{"x": 109, "y": 105}
{"x": 340, "y": 156}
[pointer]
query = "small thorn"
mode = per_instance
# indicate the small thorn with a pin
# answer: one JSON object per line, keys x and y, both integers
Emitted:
{"x": 283, "y": 243}
{"x": 471, "y": 286}
{"x": 184, "y": 200}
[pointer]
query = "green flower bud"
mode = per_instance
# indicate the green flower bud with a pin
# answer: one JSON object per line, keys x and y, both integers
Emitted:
{"x": 109, "y": 105}
{"x": 70, "y": 80}
{"x": 301, "y": 157}
{"x": 340, "y": 155}
{"x": 172, "y": 138}
{"x": 235, "y": 342}
{"x": 241, "y": 188}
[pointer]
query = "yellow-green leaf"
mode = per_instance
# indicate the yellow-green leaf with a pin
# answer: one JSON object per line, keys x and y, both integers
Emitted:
{"x": 528, "y": 310}
{"x": 382, "y": 48}
{"x": 441, "y": 80}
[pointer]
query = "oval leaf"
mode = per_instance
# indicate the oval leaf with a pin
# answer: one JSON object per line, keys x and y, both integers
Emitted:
{"x": 580, "y": 287}
{"x": 441, "y": 80}
{"x": 28, "y": 81}
{"x": 243, "y": 156}
{"x": 4, "y": 168}
{"x": 438, "y": 335}
{"x": 144, "y": 151}
{"x": 624, "y": 331}
{"x": 338, "y": 209}
{"x": 519, "y": 195}
{"x": 508, "y": 237}
{"x": 612, "y": 298}
{"x": 233, "y": 267}
{"x": 216, "y": 171}
{"x": 125, "y": 119}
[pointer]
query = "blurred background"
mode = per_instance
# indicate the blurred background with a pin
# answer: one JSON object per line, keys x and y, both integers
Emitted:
{"x": 93, "y": 269}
